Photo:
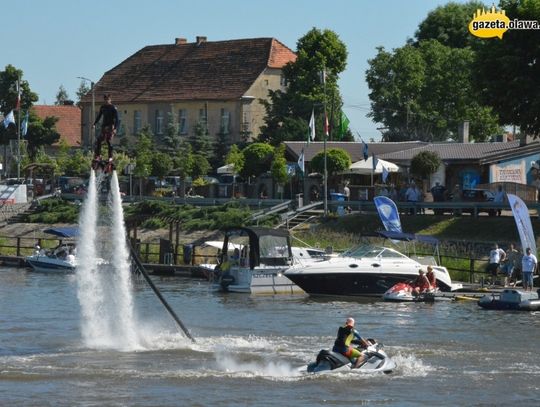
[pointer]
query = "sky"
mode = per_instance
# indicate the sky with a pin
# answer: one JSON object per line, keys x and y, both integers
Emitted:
{"x": 53, "y": 42}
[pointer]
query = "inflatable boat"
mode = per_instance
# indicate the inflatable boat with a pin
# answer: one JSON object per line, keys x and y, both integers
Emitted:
{"x": 511, "y": 299}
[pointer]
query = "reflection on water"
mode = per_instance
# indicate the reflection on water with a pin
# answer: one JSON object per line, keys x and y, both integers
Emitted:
{"x": 251, "y": 350}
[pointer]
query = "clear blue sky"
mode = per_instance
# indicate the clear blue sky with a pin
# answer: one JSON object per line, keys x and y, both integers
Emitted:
{"x": 55, "y": 41}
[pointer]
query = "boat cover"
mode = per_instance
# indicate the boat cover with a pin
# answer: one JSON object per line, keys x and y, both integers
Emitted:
{"x": 66, "y": 231}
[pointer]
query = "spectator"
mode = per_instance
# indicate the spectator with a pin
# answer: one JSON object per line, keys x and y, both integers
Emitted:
{"x": 499, "y": 198}
{"x": 496, "y": 256}
{"x": 528, "y": 267}
{"x": 438, "y": 192}
{"x": 512, "y": 263}
{"x": 411, "y": 195}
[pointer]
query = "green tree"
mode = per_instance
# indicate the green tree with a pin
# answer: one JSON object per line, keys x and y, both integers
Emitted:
{"x": 162, "y": 164}
{"x": 448, "y": 24}
{"x": 143, "y": 148}
{"x": 200, "y": 141}
{"x": 424, "y": 92}
{"x": 425, "y": 163}
{"x": 337, "y": 160}
{"x": 61, "y": 96}
{"x": 278, "y": 167}
{"x": 77, "y": 164}
{"x": 82, "y": 90}
{"x": 183, "y": 161}
{"x": 257, "y": 159}
{"x": 508, "y": 70}
{"x": 8, "y": 90}
{"x": 171, "y": 139}
{"x": 41, "y": 133}
{"x": 201, "y": 166}
{"x": 288, "y": 113}
{"x": 236, "y": 158}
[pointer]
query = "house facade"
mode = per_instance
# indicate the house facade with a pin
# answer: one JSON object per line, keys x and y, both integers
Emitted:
{"x": 218, "y": 85}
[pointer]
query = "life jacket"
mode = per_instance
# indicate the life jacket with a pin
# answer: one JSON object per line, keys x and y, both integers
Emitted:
{"x": 345, "y": 335}
{"x": 431, "y": 278}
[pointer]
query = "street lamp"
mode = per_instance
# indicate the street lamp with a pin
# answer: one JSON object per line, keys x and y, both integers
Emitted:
{"x": 93, "y": 114}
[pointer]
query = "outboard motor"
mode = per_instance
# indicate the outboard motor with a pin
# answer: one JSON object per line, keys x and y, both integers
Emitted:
{"x": 226, "y": 280}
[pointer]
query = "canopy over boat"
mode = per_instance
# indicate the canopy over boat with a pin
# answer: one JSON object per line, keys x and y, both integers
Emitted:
{"x": 408, "y": 237}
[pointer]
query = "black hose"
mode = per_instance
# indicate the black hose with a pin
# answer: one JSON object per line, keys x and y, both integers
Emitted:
{"x": 141, "y": 268}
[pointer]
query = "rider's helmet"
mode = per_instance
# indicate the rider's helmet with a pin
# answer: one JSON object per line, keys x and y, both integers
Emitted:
{"x": 349, "y": 321}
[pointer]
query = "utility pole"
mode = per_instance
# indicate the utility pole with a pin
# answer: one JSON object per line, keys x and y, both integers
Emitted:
{"x": 18, "y": 129}
{"x": 93, "y": 112}
{"x": 325, "y": 137}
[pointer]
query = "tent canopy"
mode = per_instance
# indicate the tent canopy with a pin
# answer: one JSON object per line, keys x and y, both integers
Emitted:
{"x": 226, "y": 169}
{"x": 365, "y": 167}
{"x": 63, "y": 231}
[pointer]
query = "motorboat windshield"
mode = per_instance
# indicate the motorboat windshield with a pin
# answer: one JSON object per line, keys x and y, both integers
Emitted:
{"x": 373, "y": 252}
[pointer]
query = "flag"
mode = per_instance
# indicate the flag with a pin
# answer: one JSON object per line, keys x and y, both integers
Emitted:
{"x": 388, "y": 213}
{"x": 10, "y": 118}
{"x": 24, "y": 125}
{"x": 523, "y": 223}
{"x": 343, "y": 125}
{"x": 301, "y": 161}
{"x": 384, "y": 174}
{"x": 375, "y": 162}
{"x": 311, "y": 135}
{"x": 365, "y": 151}
{"x": 326, "y": 125}
{"x": 18, "y": 101}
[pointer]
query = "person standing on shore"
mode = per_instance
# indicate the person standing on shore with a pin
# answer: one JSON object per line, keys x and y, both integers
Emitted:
{"x": 496, "y": 256}
{"x": 512, "y": 263}
{"x": 528, "y": 267}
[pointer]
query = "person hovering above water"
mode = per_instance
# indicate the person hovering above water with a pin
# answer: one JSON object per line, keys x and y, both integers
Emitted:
{"x": 342, "y": 344}
{"x": 109, "y": 125}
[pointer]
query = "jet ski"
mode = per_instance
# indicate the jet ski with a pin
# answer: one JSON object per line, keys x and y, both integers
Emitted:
{"x": 377, "y": 361}
{"x": 403, "y": 292}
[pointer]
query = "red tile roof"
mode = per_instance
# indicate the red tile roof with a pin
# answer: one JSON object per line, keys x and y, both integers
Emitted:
{"x": 69, "y": 123}
{"x": 220, "y": 70}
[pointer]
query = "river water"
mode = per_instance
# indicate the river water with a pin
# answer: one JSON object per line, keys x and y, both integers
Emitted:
{"x": 249, "y": 349}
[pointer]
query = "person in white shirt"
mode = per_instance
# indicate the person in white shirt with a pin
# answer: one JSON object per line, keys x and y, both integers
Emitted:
{"x": 528, "y": 267}
{"x": 496, "y": 256}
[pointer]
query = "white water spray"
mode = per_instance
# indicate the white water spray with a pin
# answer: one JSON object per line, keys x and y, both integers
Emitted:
{"x": 103, "y": 272}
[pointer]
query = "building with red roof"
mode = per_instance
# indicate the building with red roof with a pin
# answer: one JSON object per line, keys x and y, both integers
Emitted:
{"x": 215, "y": 83}
{"x": 68, "y": 124}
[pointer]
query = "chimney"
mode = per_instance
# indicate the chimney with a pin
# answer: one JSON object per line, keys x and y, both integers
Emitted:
{"x": 200, "y": 40}
{"x": 463, "y": 131}
{"x": 180, "y": 41}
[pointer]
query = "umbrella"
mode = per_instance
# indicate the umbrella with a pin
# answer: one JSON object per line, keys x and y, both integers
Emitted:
{"x": 365, "y": 167}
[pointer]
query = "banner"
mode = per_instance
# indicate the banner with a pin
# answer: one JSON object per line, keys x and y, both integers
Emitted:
{"x": 523, "y": 223}
{"x": 388, "y": 212}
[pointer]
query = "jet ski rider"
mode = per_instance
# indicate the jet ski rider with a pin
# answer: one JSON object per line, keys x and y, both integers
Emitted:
{"x": 345, "y": 336}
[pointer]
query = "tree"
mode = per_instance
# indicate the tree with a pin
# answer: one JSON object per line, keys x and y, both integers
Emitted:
{"x": 337, "y": 160}
{"x": 8, "y": 90}
{"x": 201, "y": 166}
{"x": 82, "y": 90}
{"x": 183, "y": 161}
{"x": 162, "y": 164}
{"x": 279, "y": 167}
{"x": 257, "y": 159}
{"x": 425, "y": 163}
{"x": 61, "y": 96}
{"x": 171, "y": 138}
{"x": 235, "y": 158}
{"x": 448, "y": 24}
{"x": 41, "y": 133}
{"x": 200, "y": 141}
{"x": 424, "y": 92}
{"x": 288, "y": 113}
{"x": 508, "y": 70}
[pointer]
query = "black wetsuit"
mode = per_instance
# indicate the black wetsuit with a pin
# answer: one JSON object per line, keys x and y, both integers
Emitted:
{"x": 109, "y": 123}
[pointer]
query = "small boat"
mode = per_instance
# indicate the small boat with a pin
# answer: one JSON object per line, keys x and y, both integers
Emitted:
{"x": 60, "y": 259}
{"x": 403, "y": 292}
{"x": 253, "y": 261}
{"x": 368, "y": 270}
{"x": 511, "y": 299}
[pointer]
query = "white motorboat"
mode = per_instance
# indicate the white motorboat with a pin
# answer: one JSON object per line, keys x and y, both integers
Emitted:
{"x": 366, "y": 270}
{"x": 60, "y": 259}
{"x": 253, "y": 260}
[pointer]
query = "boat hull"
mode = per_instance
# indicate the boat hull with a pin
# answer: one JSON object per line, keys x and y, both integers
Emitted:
{"x": 258, "y": 282}
{"x": 349, "y": 283}
{"x": 45, "y": 264}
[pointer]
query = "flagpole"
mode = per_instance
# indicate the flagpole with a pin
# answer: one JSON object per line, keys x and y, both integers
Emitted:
{"x": 18, "y": 130}
{"x": 324, "y": 148}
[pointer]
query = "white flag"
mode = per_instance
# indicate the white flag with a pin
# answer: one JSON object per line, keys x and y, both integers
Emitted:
{"x": 311, "y": 136}
{"x": 523, "y": 223}
{"x": 384, "y": 174}
{"x": 10, "y": 118}
{"x": 301, "y": 161}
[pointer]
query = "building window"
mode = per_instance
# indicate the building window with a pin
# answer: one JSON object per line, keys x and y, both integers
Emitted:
{"x": 225, "y": 121}
{"x": 159, "y": 122}
{"x": 182, "y": 121}
{"x": 283, "y": 81}
{"x": 137, "y": 125}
